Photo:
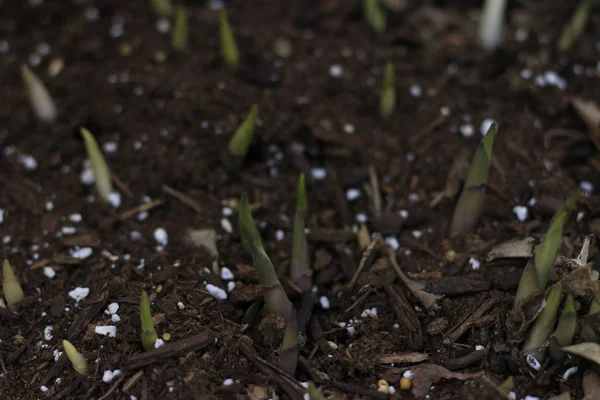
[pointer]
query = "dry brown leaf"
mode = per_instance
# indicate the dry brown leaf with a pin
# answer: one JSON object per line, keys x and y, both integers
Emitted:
{"x": 427, "y": 374}
{"x": 591, "y": 385}
{"x": 589, "y": 351}
{"x": 580, "y": 283}
{"x": 410, "y": 358}
{"x": 457, "y": 174}
{"x": 514, "y": 248}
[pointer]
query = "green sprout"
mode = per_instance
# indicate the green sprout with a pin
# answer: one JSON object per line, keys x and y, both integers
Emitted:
{"x": 471, "y": 201}
{"x": 102, "y": 176}
{"x": 588, "y": 334}
{"x": 229, "y": 50}
{"x": 13, "y": 293}
{"x": 313, "y": 392}
{"x": 491, "y": 28}
{"x": 276, "y": 300}
{"x": 506, "y": 387}
{"x": 162, "y": 8}
{"x": 387, "y": 99}
{"x": 179, "y": 35}
{"x": 544, "y": 323}
{"x": 566, "y": 323}
{"x": 240, "y": 142}
{"x": 535, "y": 275}
{"x": 575, "y": 26}
{"x": 149, "y": 335}
{"x": 39, "y": 97}
{"x": 374, "y": 15}
{"x": 300, "y": 269}
{"x": 78, "y": 361}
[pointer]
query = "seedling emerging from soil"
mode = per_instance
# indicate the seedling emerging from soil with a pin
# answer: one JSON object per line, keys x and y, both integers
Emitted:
{"x": 387, "y": 100}
{"x": 300, "y": 269}
{"x": 491, "y": 28}
{"x": 149, "y": 335}
{"x": 374, "y": 15}
{"x": 314, "y": 393}
{"x": 162, "y": 8}
{"x": 179, "y": 36}
{"x": 544, "y": 323}
{"x": 240, "y": 142}
{"x": 470, "y": 203}
{"x": 566, "y": 323}
{"x": 102, "y": 176}
{"x": 535, "y": 276}
{"x": 13, "y": 293}
{"x": 229, "y": 50}
{"x": 575, "y": 26}
{"x": 39, "y": 97}
{"x": 276, "y": 299}
{"x": 79, "y": 363}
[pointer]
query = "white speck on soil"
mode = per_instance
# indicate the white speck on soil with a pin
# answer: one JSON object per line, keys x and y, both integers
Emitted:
{"x": 230, "y": 286}
{"x": 475, "y": 264}
{"x": 318, "y": 173}
{"x": 114, "y": 199}
{"x": 522, "y": 212}
{"x": 48, "y": 332}
{"x": 324, "y": 302}
{"x": 226, "y": 225}
{"x": 112, "y": 308}
{"x": 216, "y": 292}
{"x": 161, "y": 236}
{"x": 81, "y": 253}
{"x": 352, "y": 194}
{"x": 79, "y": 293}
{"x": 226, "y": 274}
{"x": 49, "y": 272}
{"x": 415, "y": 91}
{"x": 533, "y": 362}
{"x": 228, "y": 382}
{"x": 336, "y": 70}
{"x": 361, "y": 217}
{"x": 467, "y": 130}
{"x": 408, "y": 374}
{"x": 109, "y": 375}
{"x": 279, "y": 235}
{"x": 28, "y": 162}
{"x": 159, "y": 342}
{"x": 569, "y": 372}
{"x": 392, "y": 242}
{"x": 109, "y": 330}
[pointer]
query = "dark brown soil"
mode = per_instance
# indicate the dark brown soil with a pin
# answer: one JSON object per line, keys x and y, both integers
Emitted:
{"x": 171, "y": 122}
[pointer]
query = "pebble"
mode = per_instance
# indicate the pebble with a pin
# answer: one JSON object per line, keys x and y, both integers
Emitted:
{"x": 161, "y": 236}
{"x": 216, "y": 292}
{"x": 109, "y": 330}
{"x": 324, "y": 301}
{"x": 79, "y": 293}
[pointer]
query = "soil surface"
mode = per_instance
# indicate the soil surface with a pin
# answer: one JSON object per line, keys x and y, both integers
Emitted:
{"x": 164, "y": 120}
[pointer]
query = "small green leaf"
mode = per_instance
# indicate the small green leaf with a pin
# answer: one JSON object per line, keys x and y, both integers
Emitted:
{"x": 566, "y": 323}
{"x": 13, "y": 293}
{"x": 161, "y": 8}
{"x": 229, "y": 50}
{"x": 149, "y": 335}
{"x": 179, "y": 35}
{"x": 39, "y": 97}
{"x": 314, "y": 393}
{"x": 300, "y": 271}
{"x": 248, "y": 232}
{"x": 242, "y": 138}
{"x": 102, "y": 176}
{"x": 374, "y": 15}
{"x": 575, "y": 26}
{"x": 544, "y": 323}
{"x": 76, "y": 358}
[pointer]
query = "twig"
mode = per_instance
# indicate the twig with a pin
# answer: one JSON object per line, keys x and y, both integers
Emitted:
{"x": 112, "y": 388}
{"x": 454, "y": 333}
{"x": 123, "y": 187}
{"x": 375, "y": 191}
{"x": 363, "y": 262}
{"x": 188, "y": 201}
{"x": 171, "y": 350}
{"x": 141, "y": 208}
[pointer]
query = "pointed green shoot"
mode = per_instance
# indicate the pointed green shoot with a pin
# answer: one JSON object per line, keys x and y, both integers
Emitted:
{"x": 471, "y": 201}
{"x": 248, "y": 232}
{"x": 102, "y": 176}
{"x": 491, "y": 28}
{"x": 507, "y": 386}
{"x": 313, "y": 392}
{"x": 179, "y": 35}
{"x": 161, "y": 8}
{"x": 387, "y": 99}
{"x": 78, "y": 361}
{"x": 39, "y": 97}
{"x": 374, "y": 15}
{"x": 229, "y": 50}
{"x": 575, "y": 26}
{"x": 149, "y": 335}
{"x": 276, "y": 299}
{"x": 566, "y": 323}
{"x": 544, "y": 324}
{"x": 13, "y": 293}
{"x": 300, "y": 271}
{"x": 240, "y": 142}
{"x": 535, "y": 275}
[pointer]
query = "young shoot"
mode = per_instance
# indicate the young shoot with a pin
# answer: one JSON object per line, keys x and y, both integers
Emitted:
{"x": 300, "y": 269}
{"x": 161, "y": 8}
{"x": 575, "y": 26}
{"x": 39, "y": 97}
{"x": 588, "y": 333}
{"x": 387, "y": 99}
{"x": 149, "y": 335}
{"x": 229, "y": 50}
{"x": 102, "y": 176}
{"x": 491, "y": 28}
{"x": 566, "y": 323}
{"x": 13, "y": 293}
{"x": 471, "y": 201}
{"x": 179, "y": 35}
{"x": 314, "y": 393}
{"x": 544, "y": 324}
{"x": 506, "y": 387}
{"x": 535, "y": 275}
{"x": 374, "y": 14}
{"x": 276, "y": 299}
{"x": 240, "y": 142}
{"x": 78, "y": 361}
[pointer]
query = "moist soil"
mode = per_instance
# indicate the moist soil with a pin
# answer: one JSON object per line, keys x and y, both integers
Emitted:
{"x": 164, "y": 120}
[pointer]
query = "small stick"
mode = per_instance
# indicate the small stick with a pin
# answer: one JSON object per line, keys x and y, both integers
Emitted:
{"x": 363, "y": 262}
{"x": 142, "y": 207}
{"x": 188, "y": 201}
{"x": 123, "y": 187}
{"x": 375, "y": 190}
{"x": 112, "y": 388}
